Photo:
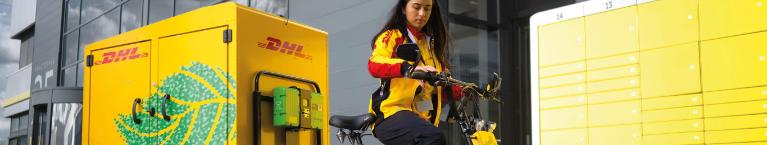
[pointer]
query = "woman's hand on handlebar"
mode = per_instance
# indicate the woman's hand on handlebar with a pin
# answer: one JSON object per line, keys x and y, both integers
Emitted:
{"x": 425, "y": 74}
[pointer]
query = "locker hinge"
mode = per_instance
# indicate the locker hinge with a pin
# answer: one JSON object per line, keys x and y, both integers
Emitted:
{"x": 89, "y": 60}
{"x": 227, "y": 35}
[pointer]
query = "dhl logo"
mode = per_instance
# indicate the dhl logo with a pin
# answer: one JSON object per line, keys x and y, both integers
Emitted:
{"x": 121, "y": 55}
{"x": 284, "y": 47}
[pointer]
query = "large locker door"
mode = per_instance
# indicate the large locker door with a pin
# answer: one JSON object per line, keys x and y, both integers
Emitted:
{"x": 119, "y": 77}
{"x": 195, "y": 88}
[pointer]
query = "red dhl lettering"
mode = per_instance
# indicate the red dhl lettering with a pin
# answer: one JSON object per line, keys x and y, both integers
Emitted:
{"x": 284, "y": 47}
{"x": 120, "y": 55}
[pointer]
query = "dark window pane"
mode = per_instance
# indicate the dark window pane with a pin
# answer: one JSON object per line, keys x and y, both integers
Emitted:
{"x": 470, "y": 8}
{"x": 23, "y": 122}
{"x": 30, "y": 50}
{"x": 103, "y": 27}
{"x": 277, "y": 7}
{"x": 73, "y": 14}
{"x": 131, "y": 15}
{"x": 40, "y": 125}
{"x": 25, "y": 51}
{"x": 80, "y": 78}
{"x": 70, "y": 47}
{"x": 94, "y": 8}
{"x": 492, "y": 53}
{"x": 183, "y": 6}
{"x": 159, "y": 10}
{"x": 466, "y": 41}
{"x": 14, "y": 124}
{"x": 22, "y": 140}
{"x": 69, "y": 76}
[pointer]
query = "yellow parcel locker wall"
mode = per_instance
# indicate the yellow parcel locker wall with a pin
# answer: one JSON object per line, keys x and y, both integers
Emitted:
{"x": 189, "y": 79}
{"x": 722, "y": 18}
{"x": 671, "y": 71}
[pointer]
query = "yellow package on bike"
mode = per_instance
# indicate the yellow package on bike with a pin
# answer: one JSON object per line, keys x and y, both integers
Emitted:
{"x": 483, "y": 138}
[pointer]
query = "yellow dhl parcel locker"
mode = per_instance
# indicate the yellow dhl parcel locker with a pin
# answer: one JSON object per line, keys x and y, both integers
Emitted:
{"x": 190, "y": 79}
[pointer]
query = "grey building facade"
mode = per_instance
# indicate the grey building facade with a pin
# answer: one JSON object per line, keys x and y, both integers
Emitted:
{"x": 488, "y": 36}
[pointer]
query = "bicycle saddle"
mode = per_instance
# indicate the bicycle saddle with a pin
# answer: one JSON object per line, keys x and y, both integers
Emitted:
{"x": 359, "y": 122}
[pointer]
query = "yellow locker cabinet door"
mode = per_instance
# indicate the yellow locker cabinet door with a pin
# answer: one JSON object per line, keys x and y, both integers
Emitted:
{"x": 670, "y": 71}
{"x": 674, "y": 139}
{"x": 568, "y": 90}
{"x": 695, "y": 112}
{"x": 736, "y": 122}
{"x": 614, "y": 135}
{"x": 612, "y": 32}
{"x": 545, "y": 72}
{"x": 612, "y": 96}
{"x": 615, "y": 113}
{"x": 565, "y": 137}
{"x": 614, "y": 84}
{"x": 118, "y": 77}
{"x": 722, "y": 18}
{"x": 672, "y": 102}
{"x": 737, "y": 95}
{"x": 565, "y": 118}
{"x": 673, "y": 127}
{"x": 612, "y": 61}
{"x": 734, "y": 62}
{"x": 190, "y": 70}
{"x": 667, "y": 22}
{"x": 611, "y": 73}
{"x": 733, "y": 136}
{"x": 563, "y": 102}
{"x": 741, "y": 108}
{"x": 561, "y": 42}
{"x": 563, "y": 80}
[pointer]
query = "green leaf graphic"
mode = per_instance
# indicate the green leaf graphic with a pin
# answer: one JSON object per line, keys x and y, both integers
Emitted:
{"x": 202, "y": 110}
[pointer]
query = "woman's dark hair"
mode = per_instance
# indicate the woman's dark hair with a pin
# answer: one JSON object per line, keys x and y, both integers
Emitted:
{"x": 435, "y": 28}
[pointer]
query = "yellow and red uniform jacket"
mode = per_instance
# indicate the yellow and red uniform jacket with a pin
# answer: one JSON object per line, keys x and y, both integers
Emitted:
{"x": 400, "y": 93}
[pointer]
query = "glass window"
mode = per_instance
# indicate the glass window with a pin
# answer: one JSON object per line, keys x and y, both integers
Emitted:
{"x": 69, "y": 78}
{"x": 30, "y": 51}
{"x": 40, "y": 125}
{"x": 470, "y": 8}
{"x": 183, "y": 6}
{"x": 73, "y": 14}
{"x": 159, "y": 10}
{"x": 277, "y": 7}
{"x": 23, "y": 122}
{"x": 475, "y": 53}
{"x": 103, "y": 27}
{"x": 70, "y": 47}
{"x": 94, "y": 8}
{"x": 242, "y": 2}
{"x": 80, "y": 68}
{"x": 14, "y": 124}
{"x": 22, "y": 140}
{"x": 465, "y": 52}
{"x": 131, "y": 15}
{"x": 65, "y": 119}
{"x": 25, "y": 47}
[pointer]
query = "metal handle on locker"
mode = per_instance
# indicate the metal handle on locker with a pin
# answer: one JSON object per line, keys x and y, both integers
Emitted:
{"x": 164, "y": 111}
{"x": 133, "y": 111}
